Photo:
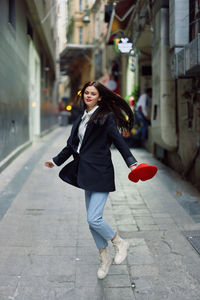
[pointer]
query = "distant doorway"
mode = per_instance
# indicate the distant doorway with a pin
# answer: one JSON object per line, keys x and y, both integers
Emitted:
{"x": 34, "y": 92}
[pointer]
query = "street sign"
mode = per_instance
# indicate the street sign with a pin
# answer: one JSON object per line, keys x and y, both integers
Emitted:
{"x": 125, "y": 45}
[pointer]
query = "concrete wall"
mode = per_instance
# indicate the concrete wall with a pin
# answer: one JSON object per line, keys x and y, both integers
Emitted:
{"x": 186, "y": 159}
{"x": 14, "y": 78}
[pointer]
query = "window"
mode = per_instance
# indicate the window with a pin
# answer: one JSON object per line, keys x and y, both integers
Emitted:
{"x": 81, "y": 5}
{"x": 98, "y": 65}
{"x": 194, "y": 18}
{"x": 108, "y": 13}
{"x": 80, "y": 35}
{"x": 12, "y": 13}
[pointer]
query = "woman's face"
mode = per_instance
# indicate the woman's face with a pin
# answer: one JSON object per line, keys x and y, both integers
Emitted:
{"x": 91, "y": 97}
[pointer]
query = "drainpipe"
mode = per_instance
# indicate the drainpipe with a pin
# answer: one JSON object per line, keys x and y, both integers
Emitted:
{"x": 176, "y": 111}
{"x": 164, "y": 124}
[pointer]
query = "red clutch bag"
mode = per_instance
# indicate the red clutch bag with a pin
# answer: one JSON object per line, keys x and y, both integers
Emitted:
{"x": 142, "y": 172}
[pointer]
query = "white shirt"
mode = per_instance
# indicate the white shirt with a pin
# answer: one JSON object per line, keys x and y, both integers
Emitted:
{"x": 83, "y": 125}
{"x": 144, "y": 102}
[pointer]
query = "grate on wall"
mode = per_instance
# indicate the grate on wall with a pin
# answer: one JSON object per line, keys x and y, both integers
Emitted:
{"x": 194, "y": 238}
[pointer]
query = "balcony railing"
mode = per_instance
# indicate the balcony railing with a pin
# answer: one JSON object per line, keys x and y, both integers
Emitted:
{"x": 187, "y": 60}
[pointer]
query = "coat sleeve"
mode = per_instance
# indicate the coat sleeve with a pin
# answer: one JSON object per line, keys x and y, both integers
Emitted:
{"x": 64, "y": 154}
{"x": 119, "y": 142}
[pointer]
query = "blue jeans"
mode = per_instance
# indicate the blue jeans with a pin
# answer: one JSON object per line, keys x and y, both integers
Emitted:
{"x": 100, "y": 230}
{"x": 144, "y": 123}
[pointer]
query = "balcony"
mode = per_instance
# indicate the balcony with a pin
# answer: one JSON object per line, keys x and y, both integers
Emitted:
{"x": 72, "y": 54}
{"x": 187, "y": 60}
{"x": 192, "y": 56}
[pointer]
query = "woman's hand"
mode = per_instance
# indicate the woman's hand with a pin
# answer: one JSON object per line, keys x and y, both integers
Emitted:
{"x": 49, "y": 164}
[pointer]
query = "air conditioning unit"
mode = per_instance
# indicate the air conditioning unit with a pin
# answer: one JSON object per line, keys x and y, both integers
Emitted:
{"x": 187, "y": 60}
{"x": 192, "y": 56}
{"x": 180, "y": 63}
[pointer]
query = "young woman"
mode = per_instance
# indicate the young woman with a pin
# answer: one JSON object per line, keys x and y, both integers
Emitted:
{"x": 92, "y": 169}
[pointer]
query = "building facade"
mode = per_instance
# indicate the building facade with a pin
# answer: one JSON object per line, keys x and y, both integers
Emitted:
{"x": 165, "y": 35}
{"x": 76, "y": 60}
{"x": 27, "y": 67}
{"x": 84, "y": 57}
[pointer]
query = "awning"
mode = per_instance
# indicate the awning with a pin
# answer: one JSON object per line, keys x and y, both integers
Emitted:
{"x": 73, "y": 52}
{"x": 120, "y": 17}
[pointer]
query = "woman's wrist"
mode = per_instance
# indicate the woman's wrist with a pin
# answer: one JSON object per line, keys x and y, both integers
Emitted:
{"x": 134, "y": 165}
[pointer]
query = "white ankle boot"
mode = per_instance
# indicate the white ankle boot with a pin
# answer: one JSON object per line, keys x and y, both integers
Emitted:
{"x": 106, "y": 261}
{"x": 121, "y": 246}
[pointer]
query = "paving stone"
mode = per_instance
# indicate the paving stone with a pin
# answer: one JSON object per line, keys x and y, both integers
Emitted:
{"x": 119, "y": 208}
{"x": 117, "y": 281}
{"x": 141, "y": 212}
{"x": 121, "y": 217}
{"x": 160, "y": 215}
{"x": 87, "y": 251}
{"x": 8, "y": 285}
{"x": 145, "y": 220}
{"x": 118, "y": 294}
{"x": 118, "y": 270}
{"x": 43, "y": 292}
{"x": 6, "y": 251}
{"x": 139, "y": 255}
{"x": 144, "y": 270}
{"x": 50, "y": 265}
{"x": 135, "y": 206}
{"x": 14, "y": 265}
{"x": 86, "y": 275}
{"x": 126, "y": 221}
{"x": 82, "y": 293}
{"x": 149, "y": 227}
{"x": 121, "y": 212}
{"x": 162, "y": 220}
{"x": 143, "y": 285}
{"x": 127, "y": 227}
{"x": 134, "y": 242}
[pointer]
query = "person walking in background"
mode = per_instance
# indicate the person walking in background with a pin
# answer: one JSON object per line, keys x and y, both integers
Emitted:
{"x": 92, "y": 170}
{"x": 143, "y": 113}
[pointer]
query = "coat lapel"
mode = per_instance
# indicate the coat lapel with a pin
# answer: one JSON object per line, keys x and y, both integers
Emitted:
{"x": 74, "y": 134}
{"x": 87, "y": 133}
{"x": 76, "y": 124}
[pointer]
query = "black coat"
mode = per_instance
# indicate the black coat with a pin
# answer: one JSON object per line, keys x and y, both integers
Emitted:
{"x": 92, "y": 168}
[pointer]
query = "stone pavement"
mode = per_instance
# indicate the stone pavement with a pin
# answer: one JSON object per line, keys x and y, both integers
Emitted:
{"x": 46, "y": 250}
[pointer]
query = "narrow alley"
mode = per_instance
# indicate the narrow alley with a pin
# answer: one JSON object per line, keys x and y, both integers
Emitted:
{"x": 46, "y": 249}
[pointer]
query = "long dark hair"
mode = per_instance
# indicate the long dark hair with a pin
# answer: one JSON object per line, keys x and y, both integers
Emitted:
{"x": 110, "y": 102}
